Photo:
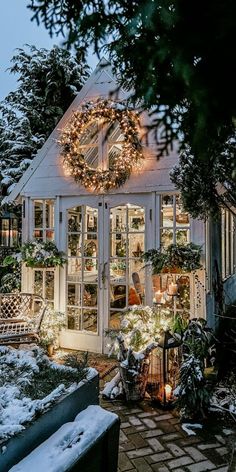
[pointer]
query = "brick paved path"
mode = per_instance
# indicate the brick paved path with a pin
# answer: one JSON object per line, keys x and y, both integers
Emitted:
{"x": 152, "y": 440}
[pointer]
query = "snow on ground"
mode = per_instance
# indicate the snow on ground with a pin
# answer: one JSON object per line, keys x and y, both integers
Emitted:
{"x": 188, "y": 428}
{"x": 64, "y": 447}
{"x": 17, "y": 368}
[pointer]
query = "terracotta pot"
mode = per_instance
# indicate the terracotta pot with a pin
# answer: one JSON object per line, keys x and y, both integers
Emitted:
{"x": 50, "y": 350}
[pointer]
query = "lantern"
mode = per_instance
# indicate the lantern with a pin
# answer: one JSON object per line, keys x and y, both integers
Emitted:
{"x": 167, "y": 367}
{"x": 9, "y": 230}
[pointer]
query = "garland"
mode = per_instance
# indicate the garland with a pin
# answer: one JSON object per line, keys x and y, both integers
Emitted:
{"x": 131, "y": 154}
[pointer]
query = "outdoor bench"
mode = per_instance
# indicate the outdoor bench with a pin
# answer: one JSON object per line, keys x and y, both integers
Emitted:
{"x": 21, "y": 316}
{"x": 88, "y": 444}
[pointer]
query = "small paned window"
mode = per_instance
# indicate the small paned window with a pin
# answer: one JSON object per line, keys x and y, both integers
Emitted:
{"x": 174, "y": 221}
{"x": 43, "y": 220}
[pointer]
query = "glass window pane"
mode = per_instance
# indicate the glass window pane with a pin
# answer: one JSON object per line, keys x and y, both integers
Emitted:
{"x": 136, "y": 218}
{"x": 90, "y": 155}
{"x": 91, "y": 220}
{"x": 118, "y": 296}
{"x": 49, "y": 235}
{"x": 74, "y": 269}
{"x": 74, "y": 318}
{"x": 75, "y": 220}
{"x": 167, "y": 211}
{"x": 182, "y": 218}
{"x": 90, "y": 245}
{"x": 118, "y": 245}
{"x": 49, "y": 213}
{"x": 166, "y": 237}
{"x": 5, "y": 232}
{"x": 114, "y": 151}
{"x": 74, "y": 294}
{"x": 117, "y": 269}
{"x": 114, "y": 133}
{"x": 38, "y": 282}
{"x": 118, "y": 217}
{"x": 136, "y": 245}
{"x": 182, "y": 236}
{"x": 49, "y": 285}
{"x": 38, "y": 214}
{"x": 90, "y": 134}
{"x": 90, "y": 320}
{"x": 90, "y": 294}
{"x": 74, "y": 244}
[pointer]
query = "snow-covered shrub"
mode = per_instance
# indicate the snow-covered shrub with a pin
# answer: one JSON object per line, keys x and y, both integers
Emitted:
{"x": 192, "y": 392}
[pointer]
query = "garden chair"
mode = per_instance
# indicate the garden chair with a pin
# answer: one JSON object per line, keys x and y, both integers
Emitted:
{"x": 21, "y": 316}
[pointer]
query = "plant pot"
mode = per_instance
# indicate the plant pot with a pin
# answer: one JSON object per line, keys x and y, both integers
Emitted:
{"x": 50, "y": 350}
{"x": 134, "y": 385}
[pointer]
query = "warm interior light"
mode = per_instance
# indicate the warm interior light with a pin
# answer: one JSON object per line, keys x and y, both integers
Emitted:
{"x": 168, "y": 391}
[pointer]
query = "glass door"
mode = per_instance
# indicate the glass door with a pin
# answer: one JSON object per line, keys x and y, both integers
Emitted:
{"x": 83, "y": 286}
{"x": 129, "y": 232}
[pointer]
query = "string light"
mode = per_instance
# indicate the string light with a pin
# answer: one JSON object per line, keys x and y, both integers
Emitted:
{"x": 131, "y": 156}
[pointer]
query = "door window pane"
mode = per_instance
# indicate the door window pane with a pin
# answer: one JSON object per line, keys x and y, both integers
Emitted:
{"x": 82, "y": 272}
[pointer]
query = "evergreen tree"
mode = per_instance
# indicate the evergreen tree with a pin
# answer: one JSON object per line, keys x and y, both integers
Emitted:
{"x": 48, "y": 82}
{"x": 177, "y": 57}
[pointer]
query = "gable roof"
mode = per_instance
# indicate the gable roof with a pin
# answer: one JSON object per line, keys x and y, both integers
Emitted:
{"x": 101, "y": 75}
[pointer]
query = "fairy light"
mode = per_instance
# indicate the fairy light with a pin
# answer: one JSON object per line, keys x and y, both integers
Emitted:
{"x": 131, "y": 157}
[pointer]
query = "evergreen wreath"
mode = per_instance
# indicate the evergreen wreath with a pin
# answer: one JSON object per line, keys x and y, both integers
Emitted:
{"x": 130, "y": 157}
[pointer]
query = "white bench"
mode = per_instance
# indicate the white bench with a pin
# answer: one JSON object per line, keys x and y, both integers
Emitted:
{"x": 21, "y": 316}
{"x": 88, "y": 444}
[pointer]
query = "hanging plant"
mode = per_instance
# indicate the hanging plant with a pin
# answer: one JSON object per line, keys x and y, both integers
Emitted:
{"x": 122, "y": 165}
{"x": 40, "y": 254}
{"x": 174, "y": 258}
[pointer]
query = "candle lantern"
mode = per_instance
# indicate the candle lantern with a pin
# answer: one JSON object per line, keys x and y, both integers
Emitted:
{"x": 9, "y": 230}
{"x": 168, "y": 367}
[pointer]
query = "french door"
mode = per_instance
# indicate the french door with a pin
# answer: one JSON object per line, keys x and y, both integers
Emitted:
{"x": 106, "y": 236}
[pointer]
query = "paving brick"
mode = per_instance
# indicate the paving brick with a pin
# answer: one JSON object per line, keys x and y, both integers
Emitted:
{"x": 221, "y": 469}
{"x": 130, "y": 430}
{"x": 145, "y": 414}
{"x": 167, "y": 416}
{"x": 175, "y": 450}
{"x": 181, "y": 461}
{"x": 195, "y": 454}
{"x": 162, "y": 456}
{"x": 141, "y": 465}
{"x": 152, "y": 433}
{"x": 139, "y": 452}
{"x": 149, "y": 423}
{"x": 160, "y": 468}
{"x": 123, "y": 437}
{"x": 155, "y": 444}
{"x": 203, "y": 447}
{"x": 141, "y": 428}
{"x": 127, "y": 446}
{"x": 171, "y": 437}
{"x": 166, "y": 427}
{"x": 222, "y": 450}
{"x": 124, "y": 462}
{"x": 134, "y": 421}
{"x": 201, "y": 466}
{"x": 190, "y": 441}
{"x": 125, "y": 425}
{"x": 137, "y": 440}
{"x": 220, "y": 438}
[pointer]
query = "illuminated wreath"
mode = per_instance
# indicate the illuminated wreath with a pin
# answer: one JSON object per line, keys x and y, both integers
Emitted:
{"x": 131, "y": 155}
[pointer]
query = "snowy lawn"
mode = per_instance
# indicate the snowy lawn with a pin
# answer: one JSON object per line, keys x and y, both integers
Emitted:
{"x": 29, "y": 384}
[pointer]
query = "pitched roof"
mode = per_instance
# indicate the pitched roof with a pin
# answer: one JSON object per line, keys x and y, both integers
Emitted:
{"x": 102, "y": 74}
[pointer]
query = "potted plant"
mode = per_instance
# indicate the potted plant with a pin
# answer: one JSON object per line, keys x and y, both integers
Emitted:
{"x": 174, "y": 258}
{"x": 50, "y": 329}
{"x": 119, "y": 268}
{"x": 40, "y": 254}
{"x": 89, "y": 264}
